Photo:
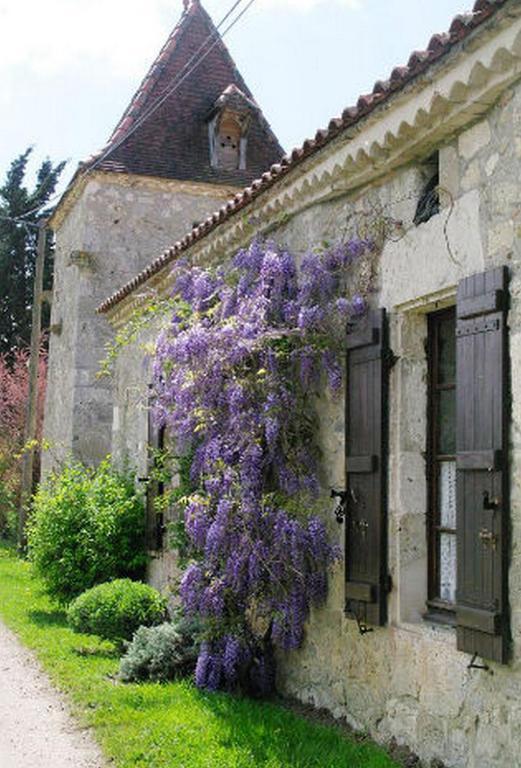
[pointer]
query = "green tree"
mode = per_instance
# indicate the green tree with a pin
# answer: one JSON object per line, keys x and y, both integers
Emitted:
{"x": 18, "y": 240}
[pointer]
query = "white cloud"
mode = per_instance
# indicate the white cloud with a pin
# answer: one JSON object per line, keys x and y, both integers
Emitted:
{"x": 45, "y": 38}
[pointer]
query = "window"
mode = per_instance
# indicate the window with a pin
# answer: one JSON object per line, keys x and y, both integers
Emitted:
{"x": 155, "y": 523}
{"x": 462, "y": 575}
{"x": 441, "y": 462}
{"x": 429, "y": 202}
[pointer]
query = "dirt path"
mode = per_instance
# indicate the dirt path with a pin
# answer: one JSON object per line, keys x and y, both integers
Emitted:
{"x": 36, "y": 730}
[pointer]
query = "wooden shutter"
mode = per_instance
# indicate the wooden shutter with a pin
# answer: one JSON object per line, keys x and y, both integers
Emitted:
{"x": 482, "y": 405}
{"x": 367, "y": 580}
{"x": 155, "y": 521}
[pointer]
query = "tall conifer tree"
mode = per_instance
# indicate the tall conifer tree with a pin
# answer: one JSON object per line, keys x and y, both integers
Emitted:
{"x": 18, "y": 240}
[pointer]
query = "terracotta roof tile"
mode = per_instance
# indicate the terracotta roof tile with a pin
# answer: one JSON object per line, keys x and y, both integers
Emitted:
{"x": 419, "y": 61}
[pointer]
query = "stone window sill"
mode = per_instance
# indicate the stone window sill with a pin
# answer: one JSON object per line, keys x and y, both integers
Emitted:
{"x": 430, "y": 628}
{"x": 439, "y": 612}
{"x": 443, "y": 618}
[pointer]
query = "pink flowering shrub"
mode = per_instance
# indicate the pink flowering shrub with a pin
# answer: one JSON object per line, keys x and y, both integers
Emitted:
{"x": 14, "y": 383}
{"x": 236, "y": 372}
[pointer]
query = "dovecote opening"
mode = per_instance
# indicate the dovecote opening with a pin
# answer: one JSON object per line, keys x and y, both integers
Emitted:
{"x": 229, "y": 143}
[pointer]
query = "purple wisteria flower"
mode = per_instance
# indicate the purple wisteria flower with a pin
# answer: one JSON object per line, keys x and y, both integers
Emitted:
{"x": 235, "y": 373}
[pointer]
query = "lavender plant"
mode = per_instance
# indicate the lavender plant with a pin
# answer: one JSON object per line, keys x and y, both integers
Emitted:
{"x": 235, "y": 374}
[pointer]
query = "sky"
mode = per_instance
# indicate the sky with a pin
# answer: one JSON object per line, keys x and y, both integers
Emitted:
{"x": 68, "y": 68}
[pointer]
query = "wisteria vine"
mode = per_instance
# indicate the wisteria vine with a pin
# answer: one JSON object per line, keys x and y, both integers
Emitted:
{"x": 235, "y": 374}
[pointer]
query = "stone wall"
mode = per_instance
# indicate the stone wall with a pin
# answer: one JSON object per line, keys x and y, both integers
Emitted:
{"x": 131, "y": 378}
{"x": 407, "y": 681}
{"x": 117, "y": 226}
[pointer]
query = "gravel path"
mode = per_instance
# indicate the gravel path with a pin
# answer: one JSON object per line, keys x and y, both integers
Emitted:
{"x": 36, "y": 730}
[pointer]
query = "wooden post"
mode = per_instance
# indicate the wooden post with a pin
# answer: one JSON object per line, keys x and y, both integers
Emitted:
{"x": 31, "y": 422}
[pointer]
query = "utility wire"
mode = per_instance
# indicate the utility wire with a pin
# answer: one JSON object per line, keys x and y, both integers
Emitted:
{"x": 178, "y": 81}
{"x": 190, "y": 61}
{"x": 41, "y": 186}
{"x": 22, "y": 216}
{"x": 175, "y": 86}
{"x": 20, "y": 220}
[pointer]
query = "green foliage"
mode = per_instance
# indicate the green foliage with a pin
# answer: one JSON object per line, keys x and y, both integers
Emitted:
{"x": 14, "y": 388}
{"x": 7, "y": 503}
{"x": 149, "y": 312}
{"x": 161, "y": 653}
{"x": 87, "y": 527}
{"x": 115, "y": 610}
{"x": 172, "y": 725}
{"x": 166, "y": 467}
{"x": 18, "y": 247}
{"x": 8, "y": 510}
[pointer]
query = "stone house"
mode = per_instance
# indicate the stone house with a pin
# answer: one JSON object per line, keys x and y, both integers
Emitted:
{"x": 420, "y": 640}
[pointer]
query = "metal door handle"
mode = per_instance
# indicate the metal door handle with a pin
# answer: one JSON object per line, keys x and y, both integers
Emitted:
{"x": 490, "y": 503}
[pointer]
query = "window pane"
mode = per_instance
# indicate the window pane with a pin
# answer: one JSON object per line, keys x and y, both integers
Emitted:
{"x": 447, "y": 421}
{"x": 447, "y": 494}
{"x": 447, "y": 351}
{"x": 448, "y": 567}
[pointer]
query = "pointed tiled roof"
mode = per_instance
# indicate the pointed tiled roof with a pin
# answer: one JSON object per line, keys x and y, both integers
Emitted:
{"x": 173, "y": 142}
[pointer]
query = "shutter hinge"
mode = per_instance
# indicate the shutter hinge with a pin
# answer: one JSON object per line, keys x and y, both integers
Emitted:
{"x": 360, "y": 623}
{"x": 391, "y": 359}
{"x": 484, "y": 666}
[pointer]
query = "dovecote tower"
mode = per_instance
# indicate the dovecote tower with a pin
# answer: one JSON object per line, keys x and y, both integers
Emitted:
{"x": 190, "y": 137}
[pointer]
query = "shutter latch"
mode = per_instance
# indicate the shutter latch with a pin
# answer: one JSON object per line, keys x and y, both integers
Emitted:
{"x": 490, "y": 503}
{"x": 340, "y": 510}
{"x": 488, "y": 538}
{"x": 363, "y": 527}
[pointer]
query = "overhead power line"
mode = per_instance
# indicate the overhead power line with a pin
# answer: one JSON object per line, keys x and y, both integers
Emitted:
{"x": 20, "y": 220}
{"x": 215, "y": 33}
{"x": 50, "y": 200}
{"x": 180, "y": 78}
{"x": 178, "y": 81}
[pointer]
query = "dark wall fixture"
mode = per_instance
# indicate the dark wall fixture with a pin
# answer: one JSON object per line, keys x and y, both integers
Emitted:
{"x": 429, "y": 202}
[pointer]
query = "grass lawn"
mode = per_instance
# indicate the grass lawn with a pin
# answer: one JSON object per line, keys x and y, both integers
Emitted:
{"x": 165, "y": 726}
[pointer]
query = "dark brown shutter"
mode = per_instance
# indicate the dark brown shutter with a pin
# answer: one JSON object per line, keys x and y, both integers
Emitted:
{"x": 154, "y": 522}
{"x": 482, "y": 465}
{"x": 367, "y": 580}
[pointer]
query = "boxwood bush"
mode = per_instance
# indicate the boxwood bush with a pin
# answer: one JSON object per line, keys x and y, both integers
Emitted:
{"x": 87, "y": 527}
{"x": 115, "y": 610}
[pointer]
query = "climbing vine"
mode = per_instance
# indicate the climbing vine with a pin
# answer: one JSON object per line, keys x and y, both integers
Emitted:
{"x": 236, "y": 371}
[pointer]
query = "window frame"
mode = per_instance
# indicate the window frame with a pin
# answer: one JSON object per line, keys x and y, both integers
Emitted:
{"x": 155, "y": 521}
{"x": 437, "y": 608}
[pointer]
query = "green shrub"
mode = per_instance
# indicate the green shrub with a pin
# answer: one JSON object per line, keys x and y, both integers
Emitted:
{"x": 160, "y": 653}
{"x": 8, "y": 512}
{"x": 115, "y": 610}
{"x": 87, "y": 527}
